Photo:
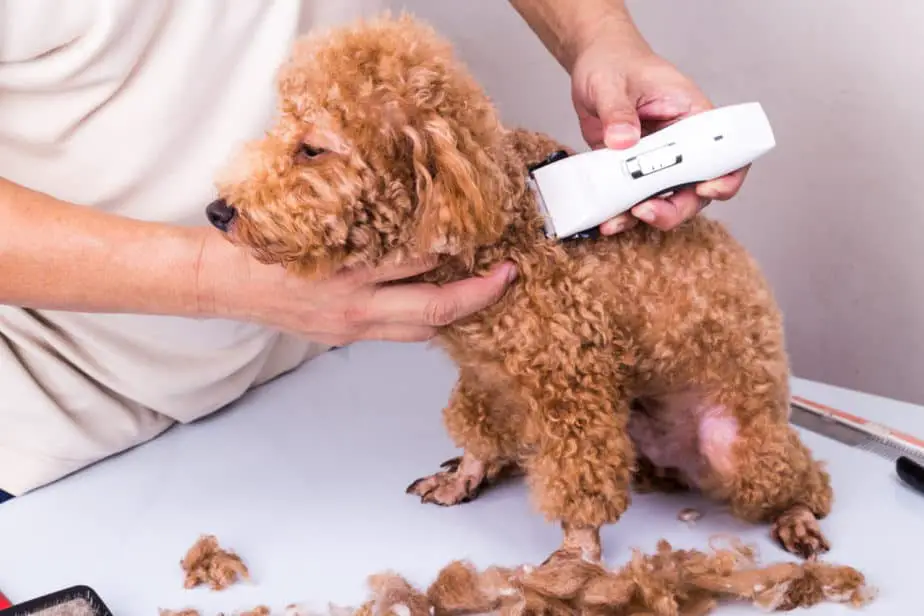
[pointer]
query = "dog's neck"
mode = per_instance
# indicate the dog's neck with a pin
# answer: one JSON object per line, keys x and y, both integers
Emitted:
{"x": 524, "y": 235}
{"x": 524, "y": 223}
{"x": 518, "y": 153}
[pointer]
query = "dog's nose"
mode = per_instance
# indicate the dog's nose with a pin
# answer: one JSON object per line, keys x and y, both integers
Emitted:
{"x": 220, "y": 214}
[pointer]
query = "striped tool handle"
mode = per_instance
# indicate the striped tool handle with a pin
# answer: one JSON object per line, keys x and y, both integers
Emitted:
{"x": 871, "y": 428}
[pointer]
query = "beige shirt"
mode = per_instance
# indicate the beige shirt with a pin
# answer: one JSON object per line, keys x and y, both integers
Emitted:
{"x": 132, "y": 106}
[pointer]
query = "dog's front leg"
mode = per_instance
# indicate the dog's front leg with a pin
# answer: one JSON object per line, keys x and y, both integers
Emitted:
{"x": 580, "y": 473}
{"x": 489, "y": 442}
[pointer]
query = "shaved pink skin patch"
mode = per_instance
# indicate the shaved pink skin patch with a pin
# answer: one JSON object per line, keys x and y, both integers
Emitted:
{"x": 680, "y": 431}
{"x": 717, "y": 434}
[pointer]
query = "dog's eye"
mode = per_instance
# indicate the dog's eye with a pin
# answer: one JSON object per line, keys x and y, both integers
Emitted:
{"x": 308, "y": 151}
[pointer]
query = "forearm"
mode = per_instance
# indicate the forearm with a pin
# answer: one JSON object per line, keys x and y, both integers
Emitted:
{"x": 566, "y": 28}
{"x": 56, "y": 255}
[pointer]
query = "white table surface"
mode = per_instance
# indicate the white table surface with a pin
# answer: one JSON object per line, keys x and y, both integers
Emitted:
{"x": 305, "y": 479}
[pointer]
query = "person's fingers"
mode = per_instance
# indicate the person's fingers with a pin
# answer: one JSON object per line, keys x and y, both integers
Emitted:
{"x": 465, "y": 297}
{"x": 392, "y": 267}
{"x": 661, "y": 104}
{"x": 433, "y": 306}
{"x": 665, "y": 109}
{"x": 616, "y": 110}
{"x": 620, "y": 223}
{"x": 399, "y": 332}
{"x": 667, "y": 213}
{"x": 725, "y": 187}
{"x": 394, "y": 332}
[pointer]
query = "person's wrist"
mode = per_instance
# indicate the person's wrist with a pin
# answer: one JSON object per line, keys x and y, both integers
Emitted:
{"x": 613, "y": 32}
{"x": 222, "y": 278}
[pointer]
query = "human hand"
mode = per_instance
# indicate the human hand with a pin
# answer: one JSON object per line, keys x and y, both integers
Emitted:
{"x": 363, "y": 304}
{"x": 623, "y": 92}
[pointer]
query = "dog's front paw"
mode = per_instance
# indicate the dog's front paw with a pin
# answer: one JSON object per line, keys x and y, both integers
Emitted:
{"x": 452, "y": 486}
{"x": 798, "y": 531}
{"x": 460, "y": 481}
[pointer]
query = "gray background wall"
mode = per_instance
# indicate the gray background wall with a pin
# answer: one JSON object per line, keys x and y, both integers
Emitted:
{"x": 834, "y": 214}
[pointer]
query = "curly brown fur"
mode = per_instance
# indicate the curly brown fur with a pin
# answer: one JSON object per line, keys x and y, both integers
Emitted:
{"x": 642, "y": 355}
{"x": 207, "y": 563}
{"x": 669, "y": 582}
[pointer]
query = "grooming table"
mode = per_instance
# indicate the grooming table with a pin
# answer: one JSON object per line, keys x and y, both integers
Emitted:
{"x": 305, "y": 479}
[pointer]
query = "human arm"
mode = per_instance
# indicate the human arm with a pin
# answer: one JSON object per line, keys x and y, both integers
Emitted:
{"x": 623, "y": 90}
{"x": 60, "y": 256}
{"x": 568, "y": 28}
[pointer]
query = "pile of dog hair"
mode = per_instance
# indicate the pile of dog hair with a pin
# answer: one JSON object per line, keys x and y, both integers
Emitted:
{"x": 668, "y": 582}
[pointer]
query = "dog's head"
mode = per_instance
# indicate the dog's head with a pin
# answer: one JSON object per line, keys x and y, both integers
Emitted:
{"x": 383, "y": 143}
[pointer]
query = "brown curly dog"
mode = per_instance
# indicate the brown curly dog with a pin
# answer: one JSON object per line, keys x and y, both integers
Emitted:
{"x": 647, "y": 356}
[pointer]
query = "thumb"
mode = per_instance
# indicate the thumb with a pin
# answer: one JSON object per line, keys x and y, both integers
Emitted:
{"x": 617, "y": 113}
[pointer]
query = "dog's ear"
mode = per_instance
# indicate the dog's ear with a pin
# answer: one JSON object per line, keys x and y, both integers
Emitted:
{"x": 460, "y": 187}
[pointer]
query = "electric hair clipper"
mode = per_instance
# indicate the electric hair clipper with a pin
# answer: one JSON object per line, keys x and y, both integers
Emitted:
{"x": 579, "y": 192}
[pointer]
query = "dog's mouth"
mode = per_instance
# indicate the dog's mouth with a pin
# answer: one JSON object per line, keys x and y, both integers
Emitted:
{"x": 221, "y": 215}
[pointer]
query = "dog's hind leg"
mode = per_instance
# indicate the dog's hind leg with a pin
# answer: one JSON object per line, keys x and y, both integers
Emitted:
{"x": 763, "y": 469}
{"x": 776, "y": 479}
{"x": 475, "y": 424}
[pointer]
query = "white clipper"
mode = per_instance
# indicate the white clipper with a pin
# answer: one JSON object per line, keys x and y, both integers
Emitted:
{"x": 579, "y": 192}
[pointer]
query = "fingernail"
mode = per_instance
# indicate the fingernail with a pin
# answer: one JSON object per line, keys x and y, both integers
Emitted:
{"x": 645, "y": 212}
{"x": 674, "y": 106}
{"x": 708, "y": 192}
{"x": 621, "y": 135}
{"x": 511, "y": 271}
{"x": 711, "y": 190}
{"x": 612, "y": 227}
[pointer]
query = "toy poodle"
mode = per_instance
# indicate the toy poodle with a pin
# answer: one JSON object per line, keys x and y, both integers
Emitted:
{"x": 645, "y": 359}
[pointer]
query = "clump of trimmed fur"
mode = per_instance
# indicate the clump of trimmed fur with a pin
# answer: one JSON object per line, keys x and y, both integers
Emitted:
{"x": 207, "y": 563}
{"x": 668, "y": 582}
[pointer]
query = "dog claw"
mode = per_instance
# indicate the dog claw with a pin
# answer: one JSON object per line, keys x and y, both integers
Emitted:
{"x": 428, "y": 499}
{"x": 412, "y": 488}
{"x": 452, "y": 464}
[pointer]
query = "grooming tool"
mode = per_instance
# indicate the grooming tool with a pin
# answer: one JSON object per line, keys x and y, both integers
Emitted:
{"x": 905, "y": 450}
{"x": 4, "y": 602}
{"x": 579, "y": 192}
{"x": 73, "y": 601}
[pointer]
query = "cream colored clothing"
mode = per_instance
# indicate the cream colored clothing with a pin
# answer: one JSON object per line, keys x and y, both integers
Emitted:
{"x": 131, "y": 106}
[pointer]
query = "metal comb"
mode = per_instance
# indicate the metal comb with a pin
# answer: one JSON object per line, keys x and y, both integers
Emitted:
{"x": 855, "y": 431}
{"x": 902, "y": 449}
